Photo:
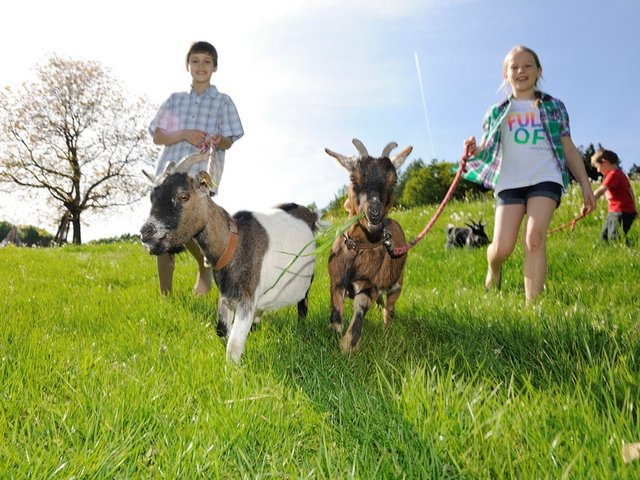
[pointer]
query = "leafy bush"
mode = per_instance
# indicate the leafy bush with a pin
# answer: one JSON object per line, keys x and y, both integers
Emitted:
{"x": 428, "y": 184}
{"x": 28, "y": 235}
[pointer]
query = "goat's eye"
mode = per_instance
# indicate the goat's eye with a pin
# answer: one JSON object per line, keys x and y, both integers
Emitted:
{"x": 183, "y": 197}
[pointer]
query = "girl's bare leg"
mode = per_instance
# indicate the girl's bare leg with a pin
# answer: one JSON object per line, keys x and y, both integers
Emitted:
{"x": 505, "y": 235}
{"x": 539, "y": 213}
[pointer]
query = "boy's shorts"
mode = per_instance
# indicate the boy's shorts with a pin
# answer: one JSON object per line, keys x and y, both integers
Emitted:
{"x": 519, "y": 196}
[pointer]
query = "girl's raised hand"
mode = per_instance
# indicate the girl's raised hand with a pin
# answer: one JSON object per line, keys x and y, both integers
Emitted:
{"x": 470, "y": 147}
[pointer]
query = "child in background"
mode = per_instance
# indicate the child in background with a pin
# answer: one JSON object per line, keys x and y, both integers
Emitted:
{"x": 189, "y": 123}
{"x": 616, "y": 188}
{"x": 525, "y": 150}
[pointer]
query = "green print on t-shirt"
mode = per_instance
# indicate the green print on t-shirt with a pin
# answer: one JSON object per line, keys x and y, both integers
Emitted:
{"x": 528, "y": 130}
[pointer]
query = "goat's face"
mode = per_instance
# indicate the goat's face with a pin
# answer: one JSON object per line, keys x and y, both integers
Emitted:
{"x": 478, "y": 237}
{"x": 471, "y": 236}
{"x": 371, "y": 191}
{"x": 177, "y": 206}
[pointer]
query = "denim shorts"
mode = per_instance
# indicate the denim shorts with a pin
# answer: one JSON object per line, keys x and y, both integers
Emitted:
{"x": 519, "y": 196}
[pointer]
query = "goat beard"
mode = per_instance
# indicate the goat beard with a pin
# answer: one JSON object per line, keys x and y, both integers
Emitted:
{"x": 370, "y": 227}
{"x": 176, "y": 249}
{"x": 160, "y": 248}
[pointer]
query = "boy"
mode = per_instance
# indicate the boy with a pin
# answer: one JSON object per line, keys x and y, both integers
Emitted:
{"x": 189, "y": 123}
{"x": 617, "y": 189}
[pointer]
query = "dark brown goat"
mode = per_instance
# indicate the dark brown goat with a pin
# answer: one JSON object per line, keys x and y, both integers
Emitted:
{"x": 361, "y": 264}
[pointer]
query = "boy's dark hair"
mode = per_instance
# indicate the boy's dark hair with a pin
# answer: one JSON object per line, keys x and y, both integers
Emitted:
{"x": 203, "y": 47}
{"x": 604, "y": 154}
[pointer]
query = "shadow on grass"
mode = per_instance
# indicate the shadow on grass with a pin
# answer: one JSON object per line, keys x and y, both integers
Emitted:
{"x": 359, "y": 394}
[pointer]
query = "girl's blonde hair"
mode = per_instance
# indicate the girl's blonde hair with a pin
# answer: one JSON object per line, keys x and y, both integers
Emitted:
{"x": 521, "y": 48}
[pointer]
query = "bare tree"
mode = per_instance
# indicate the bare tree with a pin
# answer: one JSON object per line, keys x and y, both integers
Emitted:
{"x": 72, "y": 134}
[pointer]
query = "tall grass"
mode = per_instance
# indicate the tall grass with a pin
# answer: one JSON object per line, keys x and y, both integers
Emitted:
{"x": 100, "y": 377}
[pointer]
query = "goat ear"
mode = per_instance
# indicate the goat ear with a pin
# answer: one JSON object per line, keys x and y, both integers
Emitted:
{"x": 203, "y": 181}
{"x": 398, "y": 159}
{"x": 346, "y": 162}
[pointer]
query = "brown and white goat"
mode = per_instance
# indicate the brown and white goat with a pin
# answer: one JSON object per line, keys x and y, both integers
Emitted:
{"x": 361, "y": 263}
{"x": 254, "y": 254}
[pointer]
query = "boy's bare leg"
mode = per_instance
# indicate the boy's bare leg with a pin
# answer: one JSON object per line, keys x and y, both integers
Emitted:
{"x": 166, "y": 265}
{"x": 205, "y": 273}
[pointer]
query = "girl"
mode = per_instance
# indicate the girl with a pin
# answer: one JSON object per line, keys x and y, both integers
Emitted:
{"x": 525, "y": 150}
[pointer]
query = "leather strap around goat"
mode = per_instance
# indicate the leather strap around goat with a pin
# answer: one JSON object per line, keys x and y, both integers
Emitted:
{"x": 224, "y": 260}
{"x": 386, "y": 241}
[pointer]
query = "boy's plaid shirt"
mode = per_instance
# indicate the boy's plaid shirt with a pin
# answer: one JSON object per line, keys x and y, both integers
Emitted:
{"x": 211, "y": 112}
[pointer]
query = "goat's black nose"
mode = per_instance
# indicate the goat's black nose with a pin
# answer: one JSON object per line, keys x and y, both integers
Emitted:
{"x": 147, "y": 232}
{"x": 374, "y": 214}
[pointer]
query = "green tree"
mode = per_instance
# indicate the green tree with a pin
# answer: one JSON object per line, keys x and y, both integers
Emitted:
{"x": 429, "y": 184}
{"x": 73, "y": 135}
{"x": 406, "y": 174}
{"x": 336, "y": 206}
{"x": 34, "y": 236}
{"x": 5, "y": 227}
{"x": 586, "y": 159}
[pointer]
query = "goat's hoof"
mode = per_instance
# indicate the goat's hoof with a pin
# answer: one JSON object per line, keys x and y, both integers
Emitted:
{"x": 221, "y": 330}
{"x": 336, "y": 327}
{"x": 346, "y": 345}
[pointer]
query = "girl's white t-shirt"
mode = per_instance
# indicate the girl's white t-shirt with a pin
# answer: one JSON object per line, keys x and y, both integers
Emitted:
{"x": 527, "y": 157}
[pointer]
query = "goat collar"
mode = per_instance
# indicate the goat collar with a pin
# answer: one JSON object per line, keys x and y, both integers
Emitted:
{"x": 386, "y": 240}
{"x": 224, "y": 260}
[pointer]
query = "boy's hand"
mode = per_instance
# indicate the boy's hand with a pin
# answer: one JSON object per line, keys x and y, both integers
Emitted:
{"x": 195, "y": 137}
{"x": 221, "y": 141}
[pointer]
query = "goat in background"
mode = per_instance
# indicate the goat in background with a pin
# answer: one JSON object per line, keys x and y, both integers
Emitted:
{"x": 470, "y": 236}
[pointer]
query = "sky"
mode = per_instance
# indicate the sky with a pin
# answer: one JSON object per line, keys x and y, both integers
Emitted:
{"x": 306, "y": 75}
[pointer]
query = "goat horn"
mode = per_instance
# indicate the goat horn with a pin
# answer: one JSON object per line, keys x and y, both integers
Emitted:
{"x": 187, "y": 162}
{"x": 150, "y": 177}
{"x": 361, "y": 148}
{"x": 387, "y": 150}
{"x": 169, "y": 169}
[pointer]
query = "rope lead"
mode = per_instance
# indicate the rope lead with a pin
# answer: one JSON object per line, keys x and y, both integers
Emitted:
{"x": 398, "y": 251}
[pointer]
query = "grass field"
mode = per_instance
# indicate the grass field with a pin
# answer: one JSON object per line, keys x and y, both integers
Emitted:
{"x": 102, "y": 378}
